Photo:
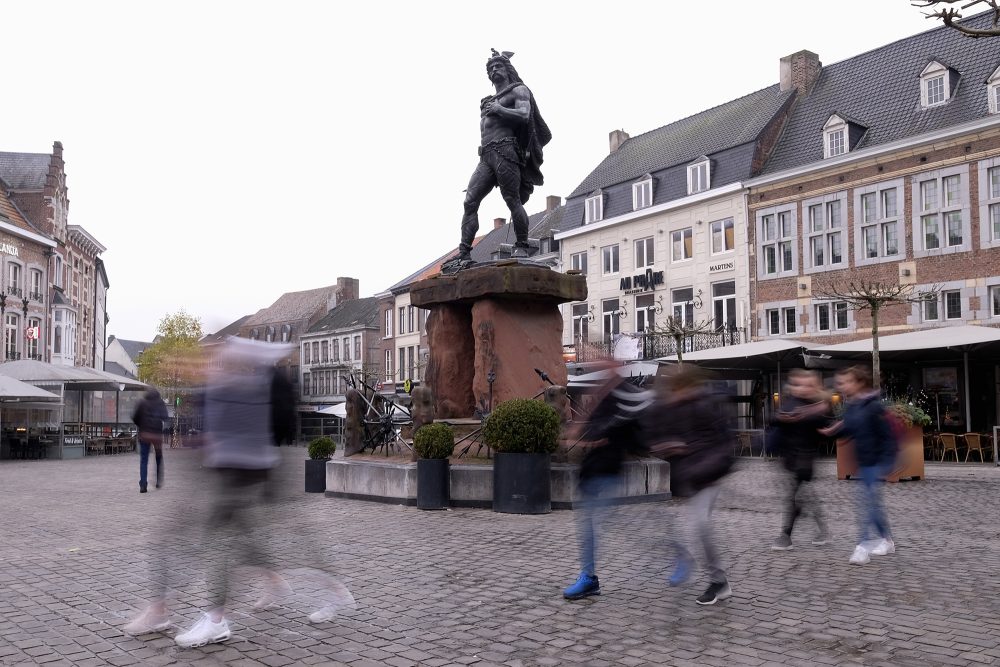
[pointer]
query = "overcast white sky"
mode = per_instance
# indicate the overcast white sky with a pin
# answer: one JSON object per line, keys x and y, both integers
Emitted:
{"x": 227, "y": 152}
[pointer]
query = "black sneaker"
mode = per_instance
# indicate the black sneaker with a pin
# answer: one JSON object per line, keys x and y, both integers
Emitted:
{"x": 783, "y": 543}
{"x": 142, "y": 488}
{"x": 715, "y": 593}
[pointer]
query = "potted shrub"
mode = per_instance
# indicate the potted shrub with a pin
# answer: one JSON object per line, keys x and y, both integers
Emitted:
{"x": 321, "y": 450}
{"x": 911, "y": 420}
{"x": 433, "y": 444}
{"x": 523, "y": 433}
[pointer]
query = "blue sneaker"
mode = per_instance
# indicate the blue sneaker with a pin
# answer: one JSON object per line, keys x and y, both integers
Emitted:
{"x": 586, "y": 584}
{"x": 681, "y": 573}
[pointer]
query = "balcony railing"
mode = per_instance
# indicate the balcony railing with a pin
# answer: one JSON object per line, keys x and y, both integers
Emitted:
{"x": 35, "y": 296}
{"x": 16, "y": 291}
{"x": 12, "y": 356}
{"x": 658, "y": 345}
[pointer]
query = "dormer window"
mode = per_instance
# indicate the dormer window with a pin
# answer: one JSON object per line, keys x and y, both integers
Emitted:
{"x": 699, "y": 176}
{"x": 993, "y": 90}
{"x": 834, "y": 136}
{"x": 935, "y": 84}
{"x": 594, "y": 208}
{"x": 642, "y": 193}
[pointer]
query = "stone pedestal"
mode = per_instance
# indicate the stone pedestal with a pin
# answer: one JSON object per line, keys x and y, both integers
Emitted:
{"x": 502, "y": 318}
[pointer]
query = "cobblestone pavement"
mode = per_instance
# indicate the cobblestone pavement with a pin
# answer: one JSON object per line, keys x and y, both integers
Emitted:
{"x": 473, "y": 587}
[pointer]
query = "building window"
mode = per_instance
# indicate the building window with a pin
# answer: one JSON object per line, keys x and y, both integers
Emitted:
{"x": 942, "y": 211}
{"x": 952, "y": 300}
{"x": 402, "y": 320}
{"x": 645, "y": 313}
{"x": 594, "y": 208}
{"x": 609, "y": 309}
{"x": 834, "y": 137}
{"x": 931, "y": 310}
{"x": 11, "y": 331}
{"x": 644, "y": 252}
{"x": 578, "y": 262}
{"x": 723, "y": 236}
{"x": 315, "y": 352}
{"x": 699, "y": 175}
{"x": 35, "y": 325}
{"x": 305, "y": 353}
{"x": 36, "y": 285}
{"x": 286, "y": 333}
{"x": 995, "y": 301}
{"x": 402, "y": 364}
{"x": 830, "y": 316}
{"x": 683, "y": 306}
{"x": 994, "y": 97}
{"x": 935, "y": 84}
{"x": 269, "y": 334}
{"x": 880, "y": 222}
{"x": 989, "y": 203}
{"x": 324, "y": 351}
{"x": 781, "y": 321}
{"x": 335, "y": 350}
{"x": 14, "y": 279}
{"x": 388, "y": 362}
{"x": 681, "y": 245}
{"x": 409, "y": 319}
{"x": 609, "y": 259}
{"x": 357, "y": 348}
{"x": 346, "y": 349}
{"x": 724, "y": 305}
{"x": 388, "y": 323}
{"x": 581, "y": 322}
{"x": 824, "y": 232}
{"x": 411, "y": 366}
{"x": 305, "y": 384}
{"x": 642, "y": 194}
{"x": 777, "y": 243}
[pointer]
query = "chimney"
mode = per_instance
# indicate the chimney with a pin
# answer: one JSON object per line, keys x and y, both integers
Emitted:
{"x": 347, "y": 289}
{"x": 499, "y": 222}
{"x": 800, "y": 71}
{"x": 552, "y": 202}
{"x": 617, "y": 138}
{"x": 57, "y": 148}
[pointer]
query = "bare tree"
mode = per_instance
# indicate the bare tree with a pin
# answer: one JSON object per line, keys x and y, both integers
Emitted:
{"x": 949, "y": 16}
{"x": 679, "y": 329}
{"x": 861, "y": 293}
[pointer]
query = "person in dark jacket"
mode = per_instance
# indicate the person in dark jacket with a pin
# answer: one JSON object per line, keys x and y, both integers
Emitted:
{"x": 149, "y": 416}
{"x": 804, "y": 410}
{"x": 689, "y": 430}
{"x": 614, "y": 428}
{"x": 866, "y": 425}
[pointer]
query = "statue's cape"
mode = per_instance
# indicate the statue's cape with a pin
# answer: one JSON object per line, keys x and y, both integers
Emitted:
{"x": 531, "y": 138}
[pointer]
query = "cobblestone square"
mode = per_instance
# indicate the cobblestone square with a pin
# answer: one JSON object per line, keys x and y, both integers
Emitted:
{"x": 470, "y": 587}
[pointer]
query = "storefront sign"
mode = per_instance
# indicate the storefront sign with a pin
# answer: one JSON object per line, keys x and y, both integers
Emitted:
{"x": 643, "y": 282}
{"x": 721, "y": 266}
{"x": 73, "y": 440}
{"x": 8, "y": 249}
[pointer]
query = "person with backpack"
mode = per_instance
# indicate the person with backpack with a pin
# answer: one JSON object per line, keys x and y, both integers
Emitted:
{"x": 688, "y": 429}
{"x": 615, "y": 429}
{"x": 866, "y": 424}
{"x": 148, "y": 417}
{"x": 804, "y": 410}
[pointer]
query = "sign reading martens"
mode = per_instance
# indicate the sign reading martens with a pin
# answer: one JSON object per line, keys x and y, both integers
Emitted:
{"x": 643, "y": 282}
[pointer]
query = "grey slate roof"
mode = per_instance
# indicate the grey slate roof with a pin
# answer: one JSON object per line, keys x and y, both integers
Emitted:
{"x": 881, "y": 88}
{"x": 725, "y": 126}
{"x": 292, "y": 306}
{"x": 133, "y": 348}
{"x": 231, "y": 329}
{"x": 540, "y": 225}
{"x": 24, "y": 171}
{"x": 117, "y": 369}
{"x": 349, "y": 314}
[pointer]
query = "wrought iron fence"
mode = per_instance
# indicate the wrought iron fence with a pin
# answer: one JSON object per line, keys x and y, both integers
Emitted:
{"x": 657, "y": 345}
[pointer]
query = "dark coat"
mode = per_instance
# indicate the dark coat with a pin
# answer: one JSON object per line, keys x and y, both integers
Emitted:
{"x": 149, "y": 416}
{"x": 866, "y": 424}
{"x": 797, "y": 433}
{"x": 617, "y": 418}
{"x": 282, "y": 408}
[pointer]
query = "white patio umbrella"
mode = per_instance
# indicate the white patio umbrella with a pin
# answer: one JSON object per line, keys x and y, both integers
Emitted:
{"x": 338, "y": 410}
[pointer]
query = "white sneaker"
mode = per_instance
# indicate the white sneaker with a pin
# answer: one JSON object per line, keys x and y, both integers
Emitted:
{"x": 860, "y": 556}
{"x": 146, "y": 622}
{"x": 327, "y": 613}
{"x": 272, "y": 593}
{"x": 204, "y": 632}
{"x": 883, "y": 547}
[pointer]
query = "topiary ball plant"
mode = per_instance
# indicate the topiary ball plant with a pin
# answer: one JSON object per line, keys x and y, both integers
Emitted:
{"x": 434, "y": 441}
{"x": 322, "y": 448}
{"x": 522, "y": 425}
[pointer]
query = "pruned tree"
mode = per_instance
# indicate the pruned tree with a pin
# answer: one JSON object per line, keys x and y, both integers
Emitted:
{"x": 949, "y": 15}
{"x": 678, "y": 328}
{"x": 866, "y": 294}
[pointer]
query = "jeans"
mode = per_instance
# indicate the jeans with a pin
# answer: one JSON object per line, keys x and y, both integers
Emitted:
{"x": 595, "y": 498}
{"x": 871, "y": 511}
{"x": 144, "y": 462}
{"x": 699, "y": 518}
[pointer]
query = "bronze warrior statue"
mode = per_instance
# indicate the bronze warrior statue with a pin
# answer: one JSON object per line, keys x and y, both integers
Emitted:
{"x": 510, "y": 154}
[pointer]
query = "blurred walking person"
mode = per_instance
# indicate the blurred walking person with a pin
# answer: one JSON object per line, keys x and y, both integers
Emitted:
{"x": 866, "y": 424}
{"x": 804, "y": 410}
{"x": 614, "y": 428}
{"x": 688, "y": 428}
{"x": 148, "y": 417}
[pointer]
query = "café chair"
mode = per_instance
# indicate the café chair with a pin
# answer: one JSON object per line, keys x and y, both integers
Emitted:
{"x": 948, "y": 444}
{"x": 743, "y": 443}
{"x": 973, "y": 443}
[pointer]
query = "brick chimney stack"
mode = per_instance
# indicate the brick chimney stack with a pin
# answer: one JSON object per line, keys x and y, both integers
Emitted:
{"x": 800, "y": 71}
{"x": 499, "y": 222}
{"x": 552, "y": 202}
{"x": 616, "y": 138}
{"x": 347, "y": 289}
